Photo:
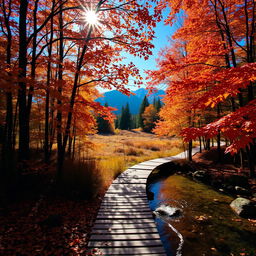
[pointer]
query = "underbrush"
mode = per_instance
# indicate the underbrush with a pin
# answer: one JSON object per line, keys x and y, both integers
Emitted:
{"x": 131, "y": 151}
{"x": 110, "y": 156}
{"x": 86, "y": 179}
{"x": 81, "y": 179}
{"x": 111, "y": 168}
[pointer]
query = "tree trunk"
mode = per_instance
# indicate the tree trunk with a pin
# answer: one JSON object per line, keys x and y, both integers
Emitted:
{"x": 241, "y": 159}
{"x": 208, "y": 144}
{"x": 23, "y": 122}
{"x": 61, "y": 150}
{"x": 190, "y": 146}
{"x": 251, "y": 161}
{"x": 219, "y": 136}
{"x": 47, "y": 100}
{"x": 219, "y": 148}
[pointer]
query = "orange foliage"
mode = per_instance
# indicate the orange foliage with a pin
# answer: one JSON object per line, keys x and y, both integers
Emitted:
{"x": 211, "y": 61}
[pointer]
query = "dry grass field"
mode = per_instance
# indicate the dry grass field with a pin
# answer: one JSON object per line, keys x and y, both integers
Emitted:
{"x": 101, "y": 158}
{"x": 115, "y": 153}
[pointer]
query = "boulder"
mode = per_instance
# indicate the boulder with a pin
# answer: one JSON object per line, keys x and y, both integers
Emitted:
{"x": 168, "y": 211}
{"x": 242, "y": 191}
{"x": 201, "y": 175}
{"x": 244, "y": 207}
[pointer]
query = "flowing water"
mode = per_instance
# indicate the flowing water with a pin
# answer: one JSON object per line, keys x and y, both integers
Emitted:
{"x": 195, "y": 220}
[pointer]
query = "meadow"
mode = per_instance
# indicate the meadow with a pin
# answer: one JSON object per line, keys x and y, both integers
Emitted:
{"x": 101, "y": 158}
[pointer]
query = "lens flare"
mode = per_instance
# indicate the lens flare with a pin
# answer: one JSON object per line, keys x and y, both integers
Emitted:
{"x": 91, "y": 17}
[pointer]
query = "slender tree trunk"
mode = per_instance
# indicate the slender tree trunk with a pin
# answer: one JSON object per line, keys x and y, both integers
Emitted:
{"x": 14, "y": 133}
{"x": 190, "y": 147}
{"x": 219, "y": 137}
{"x": 7, "y": 152}
{"x": 251, "y": 161}
{"x": 241, "y": 158}
{"x": 6, "y": 133}
{"x": 74, "y": 147}
{"x": 47, "y": 100}
{"x": 70, "y": 142}
{"x": 33, "y": 62}
{"x": 61, "y": 152}
{"x": 208, "y": 144}
{"x": 23, "y": 122}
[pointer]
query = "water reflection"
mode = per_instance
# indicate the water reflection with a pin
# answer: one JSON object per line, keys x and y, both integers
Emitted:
{"x": 207, "y": 224}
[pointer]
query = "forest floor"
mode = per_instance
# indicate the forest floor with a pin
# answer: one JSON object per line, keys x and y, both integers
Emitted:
{"x": 42, "y": 222}
{"x": 227, "y": 174}
{"x": 39, "y": 221}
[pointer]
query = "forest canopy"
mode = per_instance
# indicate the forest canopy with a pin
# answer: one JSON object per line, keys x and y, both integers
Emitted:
{"x": 210, "y": 72}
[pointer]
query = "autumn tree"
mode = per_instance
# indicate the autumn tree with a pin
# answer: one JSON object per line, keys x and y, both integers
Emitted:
{"x": 149, "y": 118}
{"x": 217, "y": 36}
{"x": 54, "y": 61}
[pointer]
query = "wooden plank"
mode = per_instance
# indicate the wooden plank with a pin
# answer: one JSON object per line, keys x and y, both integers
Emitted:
{"x": 111, "y": 210}
{"x": 129, "y": 197}
{"x": 128, "y": 186}
{"x": 129, "y": 181}
{"x": 160, "y": 161}
{"x": 125, "y": 199}
{"x": 141, "y": 167}
{"x": 124, "y": 221}
{"x": 123, "y": 215}
{"x": 149, "y": 163}
{"x": 117, "y": 204}
{"x": 124, "y": 231}
{"x": 125, "y": 244}
{"x": 125, "y": 206}
{"x": 156, "y": 250}
{"x": 126, "y": 226}
{"x": 125, "y": 237}
{"x": 139, "y": 193}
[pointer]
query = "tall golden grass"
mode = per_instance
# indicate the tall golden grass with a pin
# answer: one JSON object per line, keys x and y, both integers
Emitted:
{"x": 111, "y": 155}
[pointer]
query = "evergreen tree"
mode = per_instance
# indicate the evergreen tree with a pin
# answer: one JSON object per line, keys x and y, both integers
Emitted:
{"x": 143, "y": 105}
{"x": 158, "y": 105}
{"x": 125, "y": 120}
{"x": 104, "y": 126}
{"x": 117, "y": 122}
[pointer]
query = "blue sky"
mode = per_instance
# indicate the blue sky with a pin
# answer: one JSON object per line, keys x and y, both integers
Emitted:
{"x": 162, "y": 34}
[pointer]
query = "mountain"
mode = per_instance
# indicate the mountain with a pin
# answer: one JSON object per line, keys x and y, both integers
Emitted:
{"x": 116, "y": 99}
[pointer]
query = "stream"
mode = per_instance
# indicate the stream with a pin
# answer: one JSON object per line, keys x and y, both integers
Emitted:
{"x": 195, "y": 220}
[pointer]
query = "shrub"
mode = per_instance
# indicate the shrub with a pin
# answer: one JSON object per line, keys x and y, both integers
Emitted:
{"x": 119, "y": 150}
{"x": 81, "y": 179}
{"x": 133, "y": 152}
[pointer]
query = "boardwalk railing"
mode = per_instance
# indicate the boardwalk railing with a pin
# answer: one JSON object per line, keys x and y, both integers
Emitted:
{"x": 125, "y": 224}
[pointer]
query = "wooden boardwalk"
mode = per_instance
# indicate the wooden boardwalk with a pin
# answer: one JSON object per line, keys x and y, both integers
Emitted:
{"x": 125, "y": 224}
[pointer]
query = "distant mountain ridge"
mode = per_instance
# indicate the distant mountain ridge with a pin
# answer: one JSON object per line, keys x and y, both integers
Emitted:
{"x": 117, "y": 100}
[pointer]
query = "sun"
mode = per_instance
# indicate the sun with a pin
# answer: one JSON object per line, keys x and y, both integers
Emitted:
{"x": 91, "y": 17}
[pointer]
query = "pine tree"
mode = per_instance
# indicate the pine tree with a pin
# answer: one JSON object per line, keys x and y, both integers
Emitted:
{"x": 158, "y": 105}
{"x": 125, "y": 120}
{"x": 143, "y": 105}
{"x": 117, "y": 122}
{"x": 104, "y": 126}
